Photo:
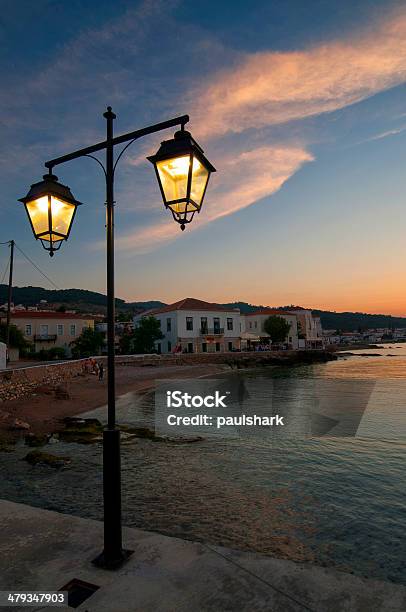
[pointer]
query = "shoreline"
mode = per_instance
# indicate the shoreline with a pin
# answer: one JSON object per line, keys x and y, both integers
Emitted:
{"x": 43, "y": 408}
{"x": 44, "y": 413}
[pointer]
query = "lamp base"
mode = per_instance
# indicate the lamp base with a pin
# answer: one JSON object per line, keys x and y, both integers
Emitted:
{"x": 112, "y": 564}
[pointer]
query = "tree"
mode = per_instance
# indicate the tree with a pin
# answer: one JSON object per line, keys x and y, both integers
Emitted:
{"x": 87, "y": 344}
{"x": 17, "y": 339}
{"x": 142, "y": 339}
{"x": 277, "y": 328}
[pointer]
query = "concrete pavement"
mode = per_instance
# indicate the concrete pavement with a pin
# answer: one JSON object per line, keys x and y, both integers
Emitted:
{"x": 43, "y": 550}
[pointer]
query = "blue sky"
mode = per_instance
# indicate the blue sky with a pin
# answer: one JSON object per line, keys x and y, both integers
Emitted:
{"x": 299, "y": 105}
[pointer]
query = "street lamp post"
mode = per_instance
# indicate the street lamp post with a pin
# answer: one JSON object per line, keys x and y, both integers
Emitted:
{"x": 183, "y": 173}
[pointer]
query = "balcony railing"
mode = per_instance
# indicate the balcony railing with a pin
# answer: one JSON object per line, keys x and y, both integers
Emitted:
{"x": 211, "y": 331}
{"x": 45, "y": 337}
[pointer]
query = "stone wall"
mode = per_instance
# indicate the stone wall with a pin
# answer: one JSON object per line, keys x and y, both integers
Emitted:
{"x": 23, "y": 381}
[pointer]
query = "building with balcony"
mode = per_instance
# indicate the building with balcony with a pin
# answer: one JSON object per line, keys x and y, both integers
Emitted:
{"x": 253, "y": 332}
{"x": 195, "y": 326}
{"x": 44, "y": 329}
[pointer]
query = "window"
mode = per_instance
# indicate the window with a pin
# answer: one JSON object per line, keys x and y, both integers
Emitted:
{"x": 250, "y": 324}
{"x": 169, "y": 325}
{"x": 169, "y": 345}
{"x": 230, "y": 346}
{"x": 72, "y": 329}
{"x": 203, "y": 325}
{"x": 204, "y": 347}
{"x": 59, "y": 330}
{"x": 255, "y": 325}
{"x": 217, "y": 347}
{"x": 43, "y": 330}
{"x": 229, "y": 323}
{"x": 28, "y": 329}
{"x": 189, "y": 323}
{"x": 190, "y": 347}
{"x": 216, "y": 323}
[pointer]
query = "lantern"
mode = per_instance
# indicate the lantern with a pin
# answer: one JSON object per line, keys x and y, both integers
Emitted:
{"x": 183, "y": 173}
{"x": 51, "y": 209}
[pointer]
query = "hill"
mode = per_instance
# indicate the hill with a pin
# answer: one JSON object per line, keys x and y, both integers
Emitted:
{"x": 83, "y": 300}
{"x": 344, "y": 321}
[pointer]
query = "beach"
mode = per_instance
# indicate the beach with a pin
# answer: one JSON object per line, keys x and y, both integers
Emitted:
{"x": 44, "y": 412}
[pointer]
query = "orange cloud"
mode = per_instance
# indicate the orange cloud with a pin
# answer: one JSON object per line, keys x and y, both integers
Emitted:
{"x": 243, "y": 180}
{"x": 270, "y": 87}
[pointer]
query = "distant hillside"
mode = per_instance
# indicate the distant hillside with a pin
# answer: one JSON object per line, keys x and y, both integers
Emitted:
{"x": 78, "y": 299}
{"x": 91, "y": 301}
{"x": 353, "y": 321}
{"x": 344, "y": 321}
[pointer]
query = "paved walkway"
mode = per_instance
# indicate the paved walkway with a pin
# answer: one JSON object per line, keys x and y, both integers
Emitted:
{"x": 42, "y": 550}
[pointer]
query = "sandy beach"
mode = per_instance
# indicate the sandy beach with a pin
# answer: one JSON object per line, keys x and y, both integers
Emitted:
{"x": 44, "y": 412}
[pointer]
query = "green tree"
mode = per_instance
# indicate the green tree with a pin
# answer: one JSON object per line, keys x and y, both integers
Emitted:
{"x": 142, "y": 339}
{"x": 17, "y": 339}
{"x": 277, "y": 328}
{"x": 87, "y": 344}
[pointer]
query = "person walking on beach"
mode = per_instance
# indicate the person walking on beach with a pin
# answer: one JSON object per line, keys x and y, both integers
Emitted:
{"x": 101, "y": 371}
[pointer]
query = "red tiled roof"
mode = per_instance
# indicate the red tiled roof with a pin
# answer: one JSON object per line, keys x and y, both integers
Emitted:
{"x": 188, "y": 304}
{"x": 35, "y": 314}
{"x": 270, "y": 312}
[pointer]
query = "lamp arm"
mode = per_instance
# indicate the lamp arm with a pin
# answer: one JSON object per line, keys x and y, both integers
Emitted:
{"x": 151, "y": 129}
{"x": 98, "y": 161}
{"x": 122, "y": 151}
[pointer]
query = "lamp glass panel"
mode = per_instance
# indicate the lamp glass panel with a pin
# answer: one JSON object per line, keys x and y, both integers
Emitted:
{"x": 55, "y": 239}
{"x": 200, "y": 176}
{"x": 173, "y": 174}
{"x": 62, "y": 213}
{"x": 38, "y": 212}
{"x": 181, "y": 207}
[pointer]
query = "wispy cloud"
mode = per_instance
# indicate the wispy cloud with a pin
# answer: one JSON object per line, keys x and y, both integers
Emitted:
{"x": 385, "y": 134}
{"x": 244, "y": 179}
{"x": 270, "y": 87}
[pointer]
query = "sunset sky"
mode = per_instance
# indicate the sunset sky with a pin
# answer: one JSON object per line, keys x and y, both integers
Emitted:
{"x": 301, "y": 106}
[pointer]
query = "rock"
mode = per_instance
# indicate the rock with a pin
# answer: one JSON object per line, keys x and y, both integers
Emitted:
{"x": 54, "y": 439}
{"x": 32, "y": 439}
{"x": 37, "y": 457}
{"x": 61, "y": 393}
{"x": 20, "y": 425}
{"x": 81, "y": 431}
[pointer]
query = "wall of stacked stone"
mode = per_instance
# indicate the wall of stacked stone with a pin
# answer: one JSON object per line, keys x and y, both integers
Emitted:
{"x": 20, "y": 382}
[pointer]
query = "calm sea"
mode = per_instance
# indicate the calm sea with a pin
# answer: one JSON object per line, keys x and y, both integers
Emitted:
{"x": 335, "y": 497}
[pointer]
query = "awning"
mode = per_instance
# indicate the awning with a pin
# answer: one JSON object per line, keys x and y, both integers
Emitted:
{"x": 249, "y": 336}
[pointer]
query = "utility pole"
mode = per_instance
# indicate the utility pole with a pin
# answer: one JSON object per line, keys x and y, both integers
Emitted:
{"x": 9, "y": 299}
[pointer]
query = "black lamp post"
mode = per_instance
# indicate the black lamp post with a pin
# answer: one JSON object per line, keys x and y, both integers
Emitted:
{"x": 183, "y": 173}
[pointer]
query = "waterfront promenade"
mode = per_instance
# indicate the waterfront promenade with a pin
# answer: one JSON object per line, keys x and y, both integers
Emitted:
{"x": 42, "y": 550}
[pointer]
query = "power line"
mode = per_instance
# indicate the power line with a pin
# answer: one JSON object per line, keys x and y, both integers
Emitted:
{"x": 37, "y": 268}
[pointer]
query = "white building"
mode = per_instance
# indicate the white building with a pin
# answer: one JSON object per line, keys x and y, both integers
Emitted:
{"x": 196, "y": 326}
{"x": 309, "y": 328}
{"x": 252, "y": 327}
